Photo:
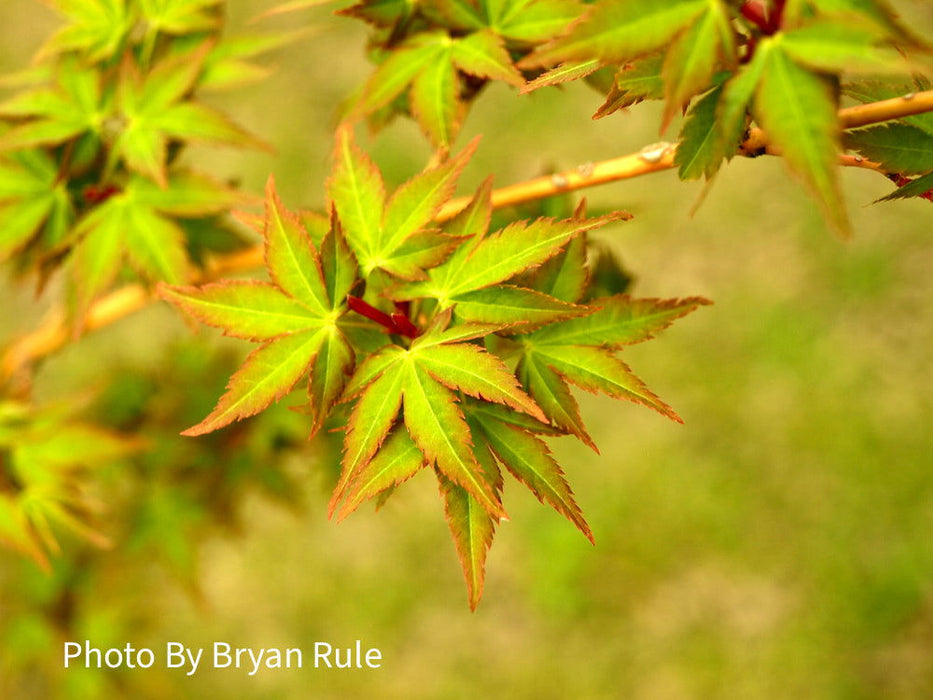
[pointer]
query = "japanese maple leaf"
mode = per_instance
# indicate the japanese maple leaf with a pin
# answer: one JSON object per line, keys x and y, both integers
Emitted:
{"x": 480, "y": 280}
{"x": 296, "y": 317}
{"x": 420, "y": 382}
{"x": 392, "y": 234}
{"x": 584, "y": 350}
{"x": 156, "y": 109}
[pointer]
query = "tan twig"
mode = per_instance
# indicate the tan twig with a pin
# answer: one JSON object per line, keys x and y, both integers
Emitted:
{"x": 53, "y": 332}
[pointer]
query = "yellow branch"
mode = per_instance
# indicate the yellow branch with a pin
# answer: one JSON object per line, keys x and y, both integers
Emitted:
{"x": 53, "y": 333}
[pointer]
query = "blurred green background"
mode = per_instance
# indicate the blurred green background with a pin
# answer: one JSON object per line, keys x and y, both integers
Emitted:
{"x": 777, "y": 545}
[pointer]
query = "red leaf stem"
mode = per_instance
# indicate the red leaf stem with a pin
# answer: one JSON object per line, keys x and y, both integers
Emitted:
{"x": 396, "y": 323}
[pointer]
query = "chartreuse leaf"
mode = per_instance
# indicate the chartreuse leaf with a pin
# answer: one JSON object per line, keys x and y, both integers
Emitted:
{"x": 471, "y": 525}
{"x": 439, "y": 429}
{"x": 358, "y": 194}
{"x": 528, "y": 458}
{"x": 179, "y": 16}
{"x": 398, "y": 460}
{"x": 900, "y": 148}
{"x": 508, "y": 305}
{"x": 74, "y": 106}
{"x": 598, "y": 371}
{"x": 156, "y": 109}
{"x": 615, "y": 31}
{"x": 415, "y": 204}
{"x": 552, "y": 394}
{"x": 565, "y": 276}
{"x": 566, "y": 72}
{"x": 134, "y": 224}
{"x": 422, "y": 380}
{"x": 293, "y": 261}
{"x": 701, "y": 149}
{"x": 268, "y": 374}
{"x": 581, "y": 350}
{"x": 510, "y": 251}
{"x": 398, "y": 71}
{"x": 95, "y": 28}
{"x": 48, "y": 457}
{"x": 797, "y": 109}
{"x": 737, "y": 93}
{"x": 296, "y": 317}
{"x": 469, "y": 279}
{"x": 618, "y": 321}
{"x": 392, "y": 235}
{"x": 533, "y": 21}
{"x": 435, "y": 99}
{"x": 841, "y": 46}
{"x": 31, "y": 197}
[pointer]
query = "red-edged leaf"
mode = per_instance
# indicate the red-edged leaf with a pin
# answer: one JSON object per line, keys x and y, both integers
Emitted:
{"x": 478, "y": 373}
{"x": 398, "y": 460}
{"x": 267, "y": 375}
{"x": 530, "y": 461}
{"x": 438, "y": 428}
{"x": 471, "y": 525}
{"x": 369, "y": 423}
{"x": 292, "y": 260}
{"x": 243, "y": 309}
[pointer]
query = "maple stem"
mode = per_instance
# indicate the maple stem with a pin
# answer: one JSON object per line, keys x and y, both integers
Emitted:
{"x": 396, "y": 323}
{"x": 53, "y": 332}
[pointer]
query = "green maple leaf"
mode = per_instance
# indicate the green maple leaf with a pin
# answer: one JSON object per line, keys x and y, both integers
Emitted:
{"x": 32, "y": 200}
{"x": 46, "y": 459}
{"x": 420, "y": 383}
{"x": 475, "y": 279}
{"x": 583, "y": 351}
{"x": 137, "y": 225}
{"x": 701, "y": 150}
{"x": 76, "y": 105}
{"x": 180, "y": 16}
{"x": 96, "y": 28}
{"x": 900, "y": 148}
{"x": 156, "y": 109}
{"x": 616, "y": 31}
{"x": 391, "y": 234}
{"x": 296, "y": 317}
{"x": 427, "y": 67}
{"x": 798, "y": 110}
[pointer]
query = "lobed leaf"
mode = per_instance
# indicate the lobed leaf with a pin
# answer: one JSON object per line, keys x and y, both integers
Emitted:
{"x": 599, "y": 371}
{"x": 483, "y": 54}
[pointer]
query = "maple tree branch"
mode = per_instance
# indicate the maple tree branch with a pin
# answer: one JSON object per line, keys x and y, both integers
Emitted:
{"x": 53, "y": 333}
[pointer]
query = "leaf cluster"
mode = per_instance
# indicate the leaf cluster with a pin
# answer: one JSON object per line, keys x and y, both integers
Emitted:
{"x": 440, "y": 346}
{"x": 729, "y": 65}
{"x": 91, "y": 139}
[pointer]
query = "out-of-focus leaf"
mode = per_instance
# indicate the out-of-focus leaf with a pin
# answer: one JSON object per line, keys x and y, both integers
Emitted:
{"x": 797, "y": 109}
{"x": 900, "y": 148}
